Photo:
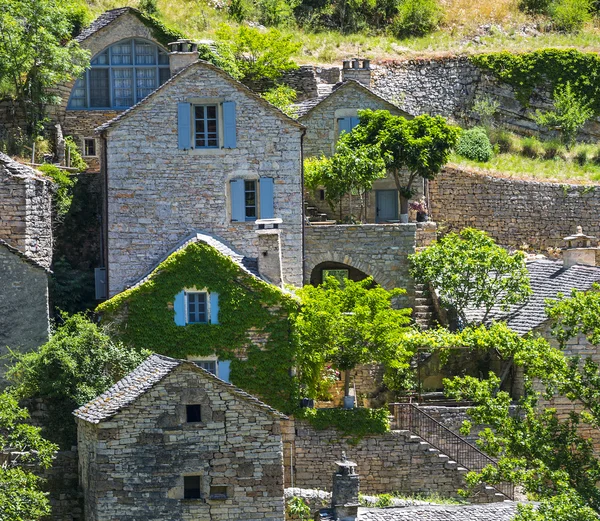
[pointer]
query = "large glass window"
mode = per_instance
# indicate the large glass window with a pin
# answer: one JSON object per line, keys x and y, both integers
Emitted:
{"x": 121, "y": 76}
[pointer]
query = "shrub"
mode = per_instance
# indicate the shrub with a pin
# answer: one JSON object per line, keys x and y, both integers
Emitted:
{"x": 416, "y": 18}
{"x": 149, "y": 7}
{"x": 283, "y": 97}
{"x": 596, "y": 156}
{"x": 535, "y": 6}
{"x": 276, "y": 13}
{"x": 506, "y": 141}
{"x": 570, "y": 15}
{"x": 75, "y": 158}
{"x": 486, "y": 107}
{"x": 553, "y": 148}
{"x": 64, "y": 192}
{"x": 474, "y": 144}
{"x": 581, "y": 157}
{"x": 531, "y": 147}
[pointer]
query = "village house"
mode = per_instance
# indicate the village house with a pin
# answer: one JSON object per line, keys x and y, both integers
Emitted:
{"x": 172, "y": 441}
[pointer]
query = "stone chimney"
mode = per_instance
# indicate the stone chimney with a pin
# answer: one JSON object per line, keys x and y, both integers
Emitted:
{"x": 359, "y": 70}
{"x": 269, "y": 250}
{"x": 181, "y": 54}
{"x": 344, "y": 496}
{"x": 580, "y": 249}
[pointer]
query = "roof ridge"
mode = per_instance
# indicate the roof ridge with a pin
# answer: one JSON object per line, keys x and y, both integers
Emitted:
{"x": 24, "y": 256}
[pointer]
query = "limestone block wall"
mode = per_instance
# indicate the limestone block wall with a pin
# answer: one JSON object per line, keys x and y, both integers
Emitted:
{"x": 158, "y": 194}
{"x": 514, "y": 212}
{"x": 132, "y": 466}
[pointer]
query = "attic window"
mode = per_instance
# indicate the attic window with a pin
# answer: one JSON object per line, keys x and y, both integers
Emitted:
{"x": 193, "y": 413}
{"x": 191, "y": 487}
{"x": 218, "y": 492}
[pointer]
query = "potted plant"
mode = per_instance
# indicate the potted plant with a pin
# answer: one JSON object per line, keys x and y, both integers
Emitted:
{"x": 420, "y": 207}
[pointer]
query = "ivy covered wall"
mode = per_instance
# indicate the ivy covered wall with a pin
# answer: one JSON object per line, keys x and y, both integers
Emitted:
{"x": 253, "y": 331}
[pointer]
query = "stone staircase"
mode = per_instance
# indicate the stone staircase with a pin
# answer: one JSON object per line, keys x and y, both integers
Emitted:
{"x": 423, "y": 311}
{"x": 313, "y": 214}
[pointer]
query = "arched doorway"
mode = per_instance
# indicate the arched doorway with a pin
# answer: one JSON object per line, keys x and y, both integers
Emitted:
{"x": 337, "y": 270}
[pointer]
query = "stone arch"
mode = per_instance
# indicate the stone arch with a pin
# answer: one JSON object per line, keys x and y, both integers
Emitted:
{"x": 316, "y": 276}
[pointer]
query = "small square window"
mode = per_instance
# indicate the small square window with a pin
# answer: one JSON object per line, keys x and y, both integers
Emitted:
{"x": 197, "y": 312}
{"x": 89, "y": 147}
{"x": 193, "y": 413}
{"x": 218, "y": 492}
{"x": 191, "y": 487}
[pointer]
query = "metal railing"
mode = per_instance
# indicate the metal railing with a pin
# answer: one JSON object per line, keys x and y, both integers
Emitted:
{"x": 408, "y": 416}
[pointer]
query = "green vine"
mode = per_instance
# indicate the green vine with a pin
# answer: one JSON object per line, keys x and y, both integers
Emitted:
{"x": 161, "y": 32}
{"x": 354, "y": 423}
{"x": 551, "y": 67}
{"x": 249, "y": 308}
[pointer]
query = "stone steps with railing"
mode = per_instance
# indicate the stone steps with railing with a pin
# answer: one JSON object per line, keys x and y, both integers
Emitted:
{"x": 423, "y": 311}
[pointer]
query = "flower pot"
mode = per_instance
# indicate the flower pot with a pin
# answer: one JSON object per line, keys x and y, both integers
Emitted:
{"x": 422, "y": 217}
{"x": 403, "y": 217}
{"x": 348, "y": 402}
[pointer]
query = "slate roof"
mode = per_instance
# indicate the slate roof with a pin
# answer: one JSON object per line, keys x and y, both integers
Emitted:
{"x": 548, "y": 279}
{"x": 504, "y": 511}
{"x": 23, "y": 256}
{"x": 143, "y": 378}
{"x": 246, "y": 264}
{"x": 102, "y": 21}
{"x": 14, "y": 168}
{"x": 304, "y": 107}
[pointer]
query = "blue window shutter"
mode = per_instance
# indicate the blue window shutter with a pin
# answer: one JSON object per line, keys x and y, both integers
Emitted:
{"x": 354, "y": 121}
{"x": 238, "y": 204}
{"x": 344, "y": 125}
{"x": 184, "y": 128}
{"x": 214, "y": 308}
{"x": 179, "y": 307}
{"x": 229, "y": 124}
{"x": 266, "y": 198}
{"x": 224, "y": 370}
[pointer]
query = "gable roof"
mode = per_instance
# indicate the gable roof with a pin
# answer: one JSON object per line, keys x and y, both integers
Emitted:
{"x": 143, "y": 378}
{"x": 102, "y": 21}
{"x": 548, "y": 279}
{"x": 23, "y": 256}
{"x": 305, "y": 107}
{"x": 196, "y": 65}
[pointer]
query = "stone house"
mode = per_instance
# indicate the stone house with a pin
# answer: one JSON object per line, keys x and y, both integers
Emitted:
{"x": 172, "y": 441}
{"x": 189, "y": 158}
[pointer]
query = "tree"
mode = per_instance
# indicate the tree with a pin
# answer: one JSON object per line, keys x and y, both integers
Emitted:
{"x": 469, "y": 270}
{"x": 37, "y": 53}
{"x": 283, "y": 97}
{"x": 418, "y": 146}
{"x": 20, "y": 495}
{"x": 347, "y": 325}
{"x": 79, "y": 362}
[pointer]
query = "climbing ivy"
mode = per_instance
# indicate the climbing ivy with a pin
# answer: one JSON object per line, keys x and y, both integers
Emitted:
{"x": 161, "y": 32}
{"x": 551, "y": 67}
{"x": 143, "y": 317}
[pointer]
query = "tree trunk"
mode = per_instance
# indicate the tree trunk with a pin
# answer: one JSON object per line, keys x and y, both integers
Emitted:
{"x": 403, "y": 204}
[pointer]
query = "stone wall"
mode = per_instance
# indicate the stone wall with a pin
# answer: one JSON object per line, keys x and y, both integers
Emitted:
{"x": 132, "y": 465}
{"x": 158, "y": 194}
{"x": 514, "y": 212}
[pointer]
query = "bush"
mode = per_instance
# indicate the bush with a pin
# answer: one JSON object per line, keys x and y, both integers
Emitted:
{"x": 416, "y": 18}
{"x": 596, "y": 157}
{"x": 283, "y": 97}
{"x": 554, "y": 148}
{"x": 276, "y": 13}
{"x": 570, "y": 15}
{"x": 581, "y": 157}
{"x": 535, "y": 6}
{"x": 64, "y": 192}
{"x": 506, "y": 141}
{"x": 474, "y": 144}
{"x": 531, "y": 147}
{"x": 149, "y": 7}
{"x": 72, "y": 153}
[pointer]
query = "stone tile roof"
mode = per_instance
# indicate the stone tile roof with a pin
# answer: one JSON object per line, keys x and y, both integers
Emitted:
{"x": 102, "y": 21}
{"x": 145, "y": 377}
{"x": 504, "y": 511}
{"x": 23, "y": 256}
{"x": 14, "y": 168}
{"x": 246, "y": 264}
{"x": 548, "y": 279}
{"x": 172, "y": 79}
{"x": 304, "y": 107}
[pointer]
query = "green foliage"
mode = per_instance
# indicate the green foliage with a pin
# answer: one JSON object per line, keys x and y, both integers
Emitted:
{"x": 283, "y": 97}
{"x": 505, "y": 141}
{"x": 355, "y": 423}
{"x": 260, "y": 54}
{"x": 474, "y": 144}
{"x": 161, "y": 32}
{"x": 33, "y": 53}
{"x": 297, "y": 507}
{"x": 470, "y": 270}
{"x": 79, "y": 362}
{"x": 535, "y": 6}
{"x": 486, "y": 107}
{"x": 346, "y": 326}
{"x": 78, "y": 15}
{"x": 277, "y": 13}
{"x": 571, "y": 112}
{"x": 246, "y": 304}
{"x": 149, "y": 7}
{"x": 75, "y": 158}
{"x": 571, "y": 15}
{"x": 221, "y": 55}
{"x": 384, "y": 500}
{"x": 532, "y": 147}
{"x": 21, "y": 498}
{"x": 566, "y": 506}
{"x": 551, "y": 67}
{"x": 71, "y": 289}
{"x": 416, "y": 18}
{"x": 63, "y": 196}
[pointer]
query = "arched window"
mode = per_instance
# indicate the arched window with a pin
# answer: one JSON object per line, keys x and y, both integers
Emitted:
{"x": 120, "y": 76}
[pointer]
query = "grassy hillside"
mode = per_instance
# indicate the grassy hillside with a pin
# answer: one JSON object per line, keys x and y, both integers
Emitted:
{"x": 467, "y": 27}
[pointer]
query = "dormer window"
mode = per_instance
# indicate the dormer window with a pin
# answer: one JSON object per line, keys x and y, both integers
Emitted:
{"x": 193, "y": 306}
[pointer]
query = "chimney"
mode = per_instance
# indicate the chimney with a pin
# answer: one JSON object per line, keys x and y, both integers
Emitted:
{"x": 181, "y": 54}
{"x": 359, "y": 70}
{"x": 269, "y": 250}
{"x": 581, "y": 249}
{"x": 344, "y": 497}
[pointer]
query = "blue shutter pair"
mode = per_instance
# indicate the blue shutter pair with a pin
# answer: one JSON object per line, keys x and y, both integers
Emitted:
{"x": 181, "y": 311}
{"x": 238, "y": 199}
{"x": 184, "y": 125}
{"x": 347, "y": 124}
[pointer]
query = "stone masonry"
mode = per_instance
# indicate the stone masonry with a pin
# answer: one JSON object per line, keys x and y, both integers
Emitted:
{"x": 136, "y": 447}
{"x": 158, "y": 194}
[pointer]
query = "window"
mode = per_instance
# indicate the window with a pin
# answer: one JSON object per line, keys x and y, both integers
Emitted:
{"x": 206, "y": 131}
{"x": 220, "y": 368}
{"x": 208, "y": 365}
{"x": 197, "y": 312}
{"x": 347, "y": 124}
{"x": 191, "y": 487}
{"x": 251, "y": 199}
{"x": 193, "y": 413}
{"x": 206, "y": 125}
{"x": 89, "y": 147}
{"x": 121, "y": 76}
{"x": 250, "y": 206}
{"x": 218, "y": 492}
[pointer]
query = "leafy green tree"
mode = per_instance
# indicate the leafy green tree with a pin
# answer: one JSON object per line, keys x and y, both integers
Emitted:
{"x": 469, "y": 269}
{"x": 416, "y": 18}
{"x": 37, "y": 53}
{"x": 20, "y": 495}
{"x": 221, "y": 55}
{"x": 79, "y": 362}
{"x": 260, "y": 54}
{"x": 346, "y": 326}
{"x": 570, "y": 114}
{"x": 283, "y": 97}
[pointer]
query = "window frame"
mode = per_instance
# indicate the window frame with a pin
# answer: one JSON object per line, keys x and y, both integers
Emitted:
{"x": 84, "y": 146}
{"x": 218, "y": 122}
{"x": 206, "y": 305}
{"x": 256, "y": 206}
